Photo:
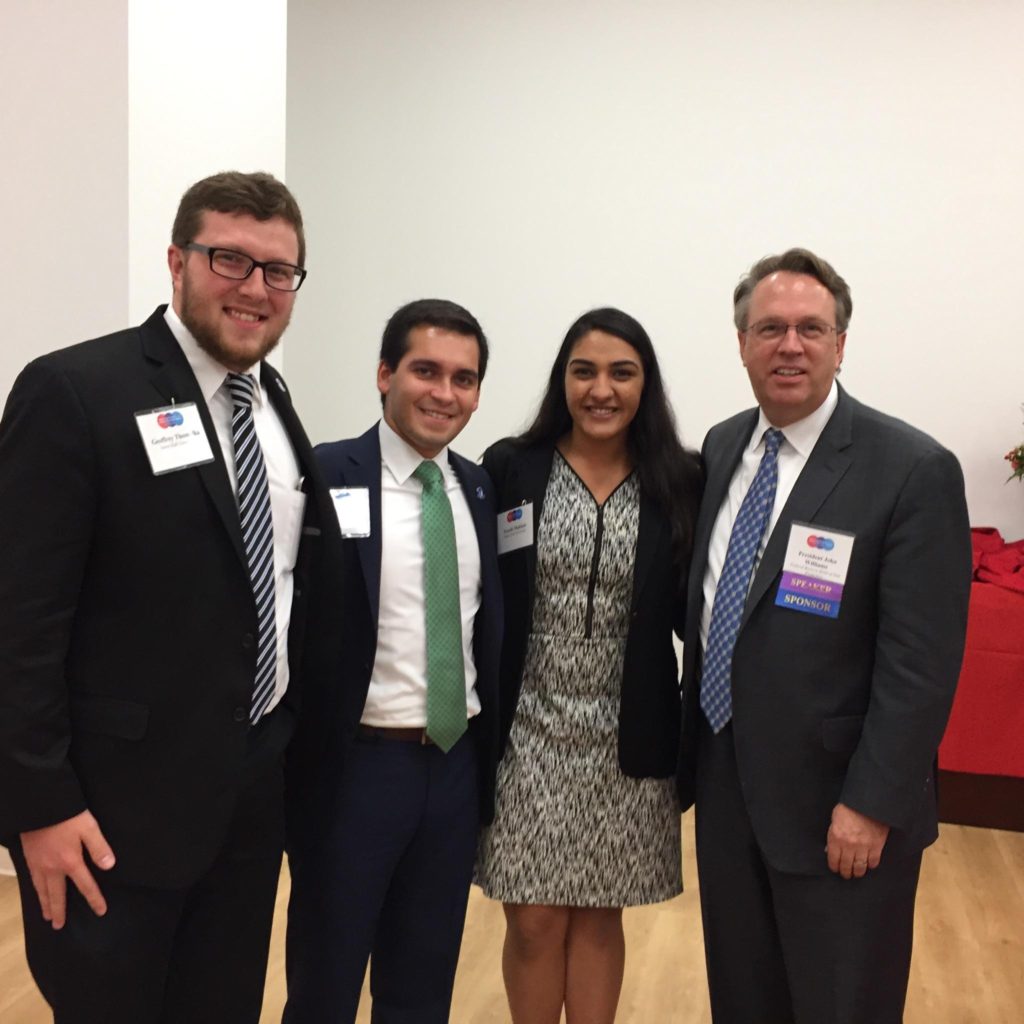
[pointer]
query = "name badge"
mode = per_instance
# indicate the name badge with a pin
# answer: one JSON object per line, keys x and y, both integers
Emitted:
{"x": 515, "y": 528}
{"x": 814, "y": 572}
{"x": 352, "y": 507}
{"x": 174, "y": 437}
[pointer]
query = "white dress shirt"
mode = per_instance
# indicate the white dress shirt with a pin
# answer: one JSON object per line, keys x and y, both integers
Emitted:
{"x": 287, "y": 502}
{"x": 398, "y": 687}
{"x": 800, "y": 439}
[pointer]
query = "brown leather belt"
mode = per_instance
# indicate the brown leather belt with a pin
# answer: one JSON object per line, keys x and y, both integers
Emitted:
{"x": 404, "y": 734}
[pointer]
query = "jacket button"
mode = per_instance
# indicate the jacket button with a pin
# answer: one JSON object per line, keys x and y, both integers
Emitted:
{"x": 240, "y": 715}
{"x": 247, "y": 641}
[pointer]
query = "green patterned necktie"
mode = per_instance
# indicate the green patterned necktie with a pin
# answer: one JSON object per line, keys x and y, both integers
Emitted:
{"x": 446, "y": 671}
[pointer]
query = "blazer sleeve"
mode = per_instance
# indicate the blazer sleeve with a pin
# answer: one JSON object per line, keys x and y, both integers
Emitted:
{"x": 923, "y": 591}
{"x": 47, "y": 499}
{"x": 695, "y": 477}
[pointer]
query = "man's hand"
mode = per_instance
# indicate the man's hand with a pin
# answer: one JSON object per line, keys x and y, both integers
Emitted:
{"x": 854, "y": 842}
{"x": 54, "y": 854}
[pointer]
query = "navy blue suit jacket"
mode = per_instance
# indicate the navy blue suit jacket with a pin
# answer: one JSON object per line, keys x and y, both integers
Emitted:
{"x": 317, "y": 757}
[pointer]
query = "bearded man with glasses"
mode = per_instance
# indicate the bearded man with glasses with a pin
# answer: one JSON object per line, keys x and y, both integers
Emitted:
{"x": 826, "y": 614}
{"x": 164, "y": 532}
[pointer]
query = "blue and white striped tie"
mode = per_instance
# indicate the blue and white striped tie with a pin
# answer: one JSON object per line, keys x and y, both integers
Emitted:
{"x": 258, "y": 534}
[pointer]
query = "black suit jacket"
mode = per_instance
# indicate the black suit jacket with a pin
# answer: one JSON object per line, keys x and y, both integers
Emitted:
{"x": 649, "y": 707}
{"x": 317, "y": 757}
{"x": 127, "y": 619}
{"x": 849, "y": 709}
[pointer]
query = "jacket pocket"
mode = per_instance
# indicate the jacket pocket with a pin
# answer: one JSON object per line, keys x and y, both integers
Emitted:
{"x": 841, "y": 735}
{"x": 109, "y": 716}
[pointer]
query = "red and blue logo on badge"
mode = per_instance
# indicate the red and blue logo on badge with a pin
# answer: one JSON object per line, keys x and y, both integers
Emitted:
{"x": 170, "y": 419}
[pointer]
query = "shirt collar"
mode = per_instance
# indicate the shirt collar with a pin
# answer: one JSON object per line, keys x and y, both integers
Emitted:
{"x": 802, "y": 435}
{"x": 402, "y": 459}
{"x": 209, "y": 373}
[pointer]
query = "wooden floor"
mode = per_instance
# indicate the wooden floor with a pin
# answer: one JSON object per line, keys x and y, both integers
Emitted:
{"x": 968, "y": 959}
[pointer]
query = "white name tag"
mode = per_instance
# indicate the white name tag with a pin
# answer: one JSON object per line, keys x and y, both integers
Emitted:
{"x": 814, "y": 572}
{"x": 515, "y": 528}
{"x": 352, "y": 507}
{"x": 174, "y": 437}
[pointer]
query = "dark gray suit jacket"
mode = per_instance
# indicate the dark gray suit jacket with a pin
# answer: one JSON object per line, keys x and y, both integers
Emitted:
{"x": 849, "y": 709}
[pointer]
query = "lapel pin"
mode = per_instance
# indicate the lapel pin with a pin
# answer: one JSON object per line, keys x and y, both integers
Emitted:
{"x": 480, "y": 493}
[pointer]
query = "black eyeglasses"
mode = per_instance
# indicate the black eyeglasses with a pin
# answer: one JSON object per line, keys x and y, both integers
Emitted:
{"x": 284, "y": 277}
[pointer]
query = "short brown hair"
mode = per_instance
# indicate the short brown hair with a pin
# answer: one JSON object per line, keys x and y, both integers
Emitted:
{"x": 259, "y": 194}
{"x": 795, "y": 261}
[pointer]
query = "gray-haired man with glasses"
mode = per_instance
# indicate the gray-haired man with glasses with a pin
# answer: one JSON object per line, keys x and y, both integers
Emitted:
{"x": 826, "y": 613}
{"x": 163, "y": 533}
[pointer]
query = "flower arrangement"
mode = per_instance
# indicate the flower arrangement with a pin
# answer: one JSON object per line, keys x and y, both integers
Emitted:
{"x": 1015, "y": 457}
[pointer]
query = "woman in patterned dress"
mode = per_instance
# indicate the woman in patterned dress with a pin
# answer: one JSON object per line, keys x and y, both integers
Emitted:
{"x": 600, "y": 500}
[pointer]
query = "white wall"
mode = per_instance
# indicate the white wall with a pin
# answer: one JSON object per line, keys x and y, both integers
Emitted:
{"x": 207, "y": 94}
{"x": 63, "y": 205}
{"x": 534, "y": 159}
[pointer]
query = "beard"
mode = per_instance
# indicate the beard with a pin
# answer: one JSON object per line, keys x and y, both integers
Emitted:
{"x": 210, "y": 337}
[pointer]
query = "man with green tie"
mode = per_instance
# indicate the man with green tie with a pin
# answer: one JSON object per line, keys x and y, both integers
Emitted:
{"x": 394, "y": 773}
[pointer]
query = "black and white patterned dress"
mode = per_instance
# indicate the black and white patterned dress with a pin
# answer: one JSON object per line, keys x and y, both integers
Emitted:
{"x": 570, "y": 828}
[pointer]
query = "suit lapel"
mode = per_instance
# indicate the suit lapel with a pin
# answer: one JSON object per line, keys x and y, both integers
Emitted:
{"x": 363, "y": 469}
{"x": 825, "y": 467}
{"x": 281, "y": 400}
{"x": 173, "y": 379}
{"x": 475, "y": 499}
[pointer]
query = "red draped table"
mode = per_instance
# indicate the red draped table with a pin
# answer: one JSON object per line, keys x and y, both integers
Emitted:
{"x": 981, "y": 759}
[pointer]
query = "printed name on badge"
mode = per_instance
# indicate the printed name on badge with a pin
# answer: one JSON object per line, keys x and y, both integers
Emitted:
{"x": 174, "y": 437}
{"x": 352, "y": 507}
{"x": 814, "y": 572}
{"x": 515, "y": 528}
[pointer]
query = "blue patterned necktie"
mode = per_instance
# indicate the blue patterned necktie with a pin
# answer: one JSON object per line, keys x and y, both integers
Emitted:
{"x": 257, "y": 533}
{"x": 446, "y": 670}
{"x": 734, "y": 584}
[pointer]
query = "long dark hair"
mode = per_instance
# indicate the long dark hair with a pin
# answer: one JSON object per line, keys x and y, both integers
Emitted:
{"x": 669, "y": 474}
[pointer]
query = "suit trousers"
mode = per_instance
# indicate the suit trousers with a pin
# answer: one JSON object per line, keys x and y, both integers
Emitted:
{"x": 784, "y": 948}
{"x": 195, "y": 955}
{"x": 389, "y": 883}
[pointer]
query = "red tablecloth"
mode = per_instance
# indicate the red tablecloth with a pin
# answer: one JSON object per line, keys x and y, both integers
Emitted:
{"x": 986, "y": 729}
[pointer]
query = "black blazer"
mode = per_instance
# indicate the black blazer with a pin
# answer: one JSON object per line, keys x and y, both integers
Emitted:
{"x": 317, "y": 757}
{"x": 127, "y": 619}
{"x": 648, "y": 713}
{"x": 849, "y": 709}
